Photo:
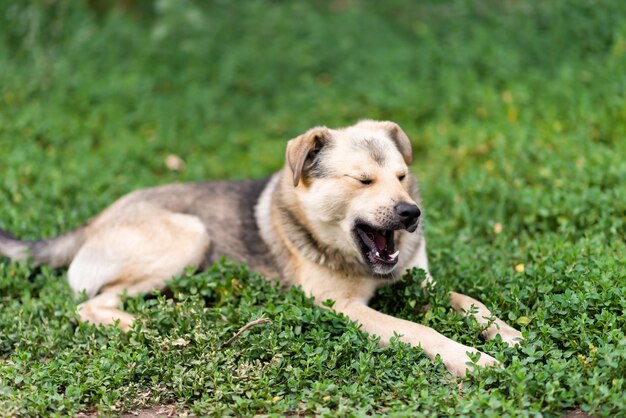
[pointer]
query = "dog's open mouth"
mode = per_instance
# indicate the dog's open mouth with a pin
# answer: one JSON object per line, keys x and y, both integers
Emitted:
{"x": 377, "y": 245}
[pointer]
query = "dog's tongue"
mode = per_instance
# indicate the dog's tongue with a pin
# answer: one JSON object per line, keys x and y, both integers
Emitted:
{"x": 380, "y": 241}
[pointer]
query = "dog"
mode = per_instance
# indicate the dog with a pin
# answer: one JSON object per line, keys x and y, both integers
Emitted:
{"x": 341, "y": 219}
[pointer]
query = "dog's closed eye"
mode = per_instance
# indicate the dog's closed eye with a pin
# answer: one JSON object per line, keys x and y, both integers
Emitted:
{"x": 363, "y": 179}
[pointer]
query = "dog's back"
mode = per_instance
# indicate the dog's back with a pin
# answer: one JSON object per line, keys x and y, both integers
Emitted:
{"x": 226, "y": 209}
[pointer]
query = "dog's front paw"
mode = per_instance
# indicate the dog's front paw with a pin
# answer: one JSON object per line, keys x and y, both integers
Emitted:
{"x": 509, "y": 335}
{"x": 458, "y": 362}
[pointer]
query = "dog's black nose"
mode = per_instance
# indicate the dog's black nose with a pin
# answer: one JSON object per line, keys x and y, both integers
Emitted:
{"x": 408, "y": 213}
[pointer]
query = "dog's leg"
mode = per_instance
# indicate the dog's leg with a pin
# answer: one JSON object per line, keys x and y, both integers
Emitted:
{"x": 134, "y": 257}
{"x": 453, "y": 354}
{"x": 105, "y": 307}
{"x": 463, "y": 304}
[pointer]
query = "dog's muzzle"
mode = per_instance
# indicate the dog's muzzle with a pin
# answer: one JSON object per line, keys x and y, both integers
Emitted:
{"x": 409, "y": 214}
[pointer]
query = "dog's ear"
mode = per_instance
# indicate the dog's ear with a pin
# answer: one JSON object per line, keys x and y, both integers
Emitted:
{"x": 396, "y": 133}
{"x": 302, "y": 150}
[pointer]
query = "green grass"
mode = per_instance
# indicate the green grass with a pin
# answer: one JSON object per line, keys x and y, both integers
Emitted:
{"x": 517, "y": 112}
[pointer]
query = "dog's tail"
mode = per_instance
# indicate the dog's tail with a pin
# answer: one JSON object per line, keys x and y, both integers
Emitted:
{"x": 58, "y": 251}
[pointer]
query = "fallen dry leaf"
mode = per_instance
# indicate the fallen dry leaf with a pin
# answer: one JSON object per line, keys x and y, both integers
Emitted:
{"x": 174, "y": 162}
{"x": 180, "y": 342}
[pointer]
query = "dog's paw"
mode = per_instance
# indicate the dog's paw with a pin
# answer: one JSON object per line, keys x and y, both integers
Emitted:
{"x": 126, "y": 321}
{"x": 95, "y": 314}
{"x": 509, "y": 335}
{"x": 458, "y": 362}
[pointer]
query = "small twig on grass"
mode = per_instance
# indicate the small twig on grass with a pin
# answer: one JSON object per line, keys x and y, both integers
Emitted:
{"x": 243, "y": 329}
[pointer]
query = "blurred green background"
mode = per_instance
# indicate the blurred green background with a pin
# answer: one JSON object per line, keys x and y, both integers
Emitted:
{"x": 516, "y": 106}
{"x": 516, "y": 110}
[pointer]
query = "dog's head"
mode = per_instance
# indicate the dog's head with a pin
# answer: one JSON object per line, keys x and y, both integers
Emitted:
{"x": 355, "y": 189}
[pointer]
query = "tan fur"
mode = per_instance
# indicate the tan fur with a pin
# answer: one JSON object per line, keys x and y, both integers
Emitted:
{"x": 300, "y": 224}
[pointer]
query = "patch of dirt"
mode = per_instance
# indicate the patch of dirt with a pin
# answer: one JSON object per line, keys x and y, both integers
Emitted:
{"x": 159, "y": 411}
{"x": 169, "y": 411}
{"x": 577, "y": 413}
